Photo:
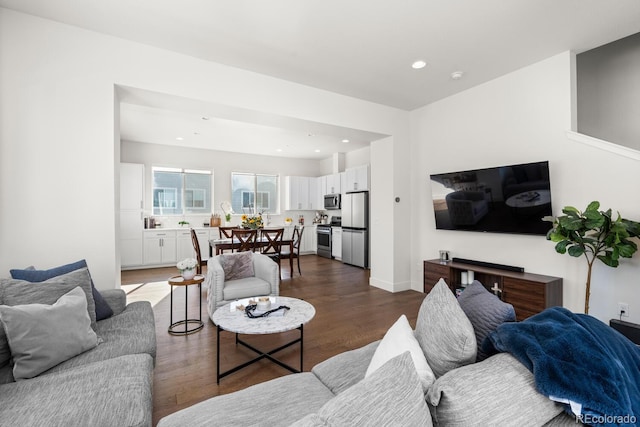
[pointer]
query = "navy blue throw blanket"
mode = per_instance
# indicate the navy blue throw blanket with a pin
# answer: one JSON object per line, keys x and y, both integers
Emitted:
{"x": 578, "y": 358}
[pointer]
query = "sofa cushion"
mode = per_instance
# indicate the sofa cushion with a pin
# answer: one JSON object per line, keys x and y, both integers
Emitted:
{"x": 41, "y": 336}
{"x": 498, "y": 391}
{"x": 130, "y": 332}
{"x": 444, "y": 331}
{"x": 392, "y": 395}
{"x": 237, "y": 289}
{"x": 346, "y": 369}
{"x": 485, "y": 312}
{"x": 238, "y": 265}
{"x": 115, "y": 392}
{"x": 278, "y": 402}
{"x": 30, "y": 274}
{"x": 398, "y": 339}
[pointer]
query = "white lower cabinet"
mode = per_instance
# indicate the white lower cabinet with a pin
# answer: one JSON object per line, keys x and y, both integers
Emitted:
{"x": 185, "y": 245}
{"x": 159, "y": 247}
{"x": 336, "y": 242}
{"x": 309, "y": 243}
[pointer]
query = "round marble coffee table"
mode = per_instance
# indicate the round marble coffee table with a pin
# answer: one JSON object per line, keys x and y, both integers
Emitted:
{"x": 228, "y": 318}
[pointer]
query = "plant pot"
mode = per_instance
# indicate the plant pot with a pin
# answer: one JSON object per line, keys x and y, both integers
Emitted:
{"x": 188, "y": 274}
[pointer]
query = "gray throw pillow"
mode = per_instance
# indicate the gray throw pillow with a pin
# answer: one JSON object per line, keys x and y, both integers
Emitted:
{"x": 392, "y": 395}
{"x": 500, "y": 391}
{"x": 485, "y": 311}
{"x": 238, "y": 265}
{"x": 42, "y": 336}
{"x": 18, "y": 292}
{"x": 444, "y": 332}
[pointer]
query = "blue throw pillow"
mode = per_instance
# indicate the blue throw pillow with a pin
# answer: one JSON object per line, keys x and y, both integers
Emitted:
{"x": 30, "y": 274}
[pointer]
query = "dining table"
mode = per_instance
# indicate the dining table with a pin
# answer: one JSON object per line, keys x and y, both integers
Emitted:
{"x": 225, "y": 244}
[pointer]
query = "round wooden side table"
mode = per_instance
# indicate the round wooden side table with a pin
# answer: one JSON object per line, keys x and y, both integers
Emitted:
{"x": 173, "y": 326}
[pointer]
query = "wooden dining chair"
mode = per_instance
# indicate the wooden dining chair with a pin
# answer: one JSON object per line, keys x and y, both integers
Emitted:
{"x": 196, "y": 248}
{"x": 285, "y": 252}
{"x": 271, "y": 243}
{"x": 225, "y": 232}
{"x": 246, "y": 238}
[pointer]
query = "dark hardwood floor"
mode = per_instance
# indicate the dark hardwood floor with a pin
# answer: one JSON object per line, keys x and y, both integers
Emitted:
{"x": 349, "y": 314}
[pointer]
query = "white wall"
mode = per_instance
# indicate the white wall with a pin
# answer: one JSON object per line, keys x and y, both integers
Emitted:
{"x": 522, "y": 117}
{"x": 58, "y": 158}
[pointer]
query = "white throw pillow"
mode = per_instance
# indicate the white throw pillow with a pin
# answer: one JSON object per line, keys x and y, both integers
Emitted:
{"x": 398, "y": 339}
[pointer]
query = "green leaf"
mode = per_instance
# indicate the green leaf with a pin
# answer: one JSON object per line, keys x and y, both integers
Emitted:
{"x": 632, "y": 227}
{"x": 576, "y": 251}
{"x": 570, "y": 223}
{"x": 561, "y": 247}
{"x": 570, "y": 210}
{"x": 594, "y": 219}
{"x": 593, "y": 206}
{"x": 627, "y": 248}
{"x": 607, "y": 260}
{"x": 554, "y": 236}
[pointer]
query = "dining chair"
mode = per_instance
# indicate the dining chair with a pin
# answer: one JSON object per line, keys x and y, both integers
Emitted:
{"x": 196, "y": 248}
{"x": 225, "y": 232}
{"x": 271, "y": 243}
{"x": 285, "y": 253}
{"x": 246, "y": 238}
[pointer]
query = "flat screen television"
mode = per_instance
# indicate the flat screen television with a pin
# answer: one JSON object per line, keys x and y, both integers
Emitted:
{"x": 504, "y": 199}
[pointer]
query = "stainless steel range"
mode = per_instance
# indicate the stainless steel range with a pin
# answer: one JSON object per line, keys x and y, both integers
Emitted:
{"x": 324, "y": 236}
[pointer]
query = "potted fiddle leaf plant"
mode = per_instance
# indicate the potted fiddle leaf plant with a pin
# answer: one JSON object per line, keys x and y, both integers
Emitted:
{"x": 594, "y": 234}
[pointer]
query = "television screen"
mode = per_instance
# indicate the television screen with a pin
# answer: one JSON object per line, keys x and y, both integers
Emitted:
{"x": 505, "y": 199}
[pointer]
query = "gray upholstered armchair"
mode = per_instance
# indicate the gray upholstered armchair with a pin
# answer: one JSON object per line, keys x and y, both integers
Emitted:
{"x": 252, "y": 274}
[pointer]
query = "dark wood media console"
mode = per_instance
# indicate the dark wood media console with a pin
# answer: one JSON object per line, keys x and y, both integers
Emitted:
{"x": 528, "y": 293}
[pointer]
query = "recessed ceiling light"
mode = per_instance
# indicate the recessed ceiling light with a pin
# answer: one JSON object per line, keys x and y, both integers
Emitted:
{"x": 346, "y": 141}
{"x": 316, "y": 150}
{"x": 418, "y": 64}
{"x": 457, "y": 75}
{"x": 179, "y": 138}
{"x": 278, "y": 150}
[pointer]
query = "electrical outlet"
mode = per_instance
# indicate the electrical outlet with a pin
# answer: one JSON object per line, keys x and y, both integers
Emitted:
{"x": 623, "y": 309}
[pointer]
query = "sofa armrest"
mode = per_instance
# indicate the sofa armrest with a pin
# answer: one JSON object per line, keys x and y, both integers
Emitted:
{"x": 116, "y": 298}
{"x": 214, "y": 282}
{"x": 266, "y": 269}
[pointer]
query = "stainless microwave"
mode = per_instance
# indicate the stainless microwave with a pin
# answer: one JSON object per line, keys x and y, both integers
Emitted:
{"x": 332, "y": 201}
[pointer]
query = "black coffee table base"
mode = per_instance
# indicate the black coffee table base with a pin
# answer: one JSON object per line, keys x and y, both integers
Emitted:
{"x": 262, "y": 354}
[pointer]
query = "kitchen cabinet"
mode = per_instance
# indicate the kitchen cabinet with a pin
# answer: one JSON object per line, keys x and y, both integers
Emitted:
{"x": 160, "y": 247}
{"x": 309, "y": 242}
{"x": 333, "y": 183}
{"x": 131, "y": 214}
{"x": 357, "y": 179}
{"x": 336, "y": 242}
{"x": 184, "y": 245}
{"x": 528, "y": 293}
{"x": 301, "y": 193}
{"x": 131, "y": 186}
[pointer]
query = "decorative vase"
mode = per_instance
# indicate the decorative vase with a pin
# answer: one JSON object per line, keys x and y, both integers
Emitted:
{"x": 188, "y": 274}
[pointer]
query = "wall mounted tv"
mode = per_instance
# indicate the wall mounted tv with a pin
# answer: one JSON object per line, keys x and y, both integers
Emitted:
{"x": 505, "y": 199}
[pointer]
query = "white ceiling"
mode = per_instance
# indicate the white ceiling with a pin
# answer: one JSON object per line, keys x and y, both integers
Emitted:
{"x": 360, "y": 48}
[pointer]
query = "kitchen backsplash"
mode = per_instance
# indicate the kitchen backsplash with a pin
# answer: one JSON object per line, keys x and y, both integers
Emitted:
{"x": 271, "y": 220}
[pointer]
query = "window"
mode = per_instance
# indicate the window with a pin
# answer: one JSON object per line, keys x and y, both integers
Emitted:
{"x": 254, "y": 193}
{"x": 181, "y": 191}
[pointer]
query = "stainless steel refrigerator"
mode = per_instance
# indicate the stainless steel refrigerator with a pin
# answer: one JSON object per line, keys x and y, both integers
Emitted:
{"x": 355, "y": 229}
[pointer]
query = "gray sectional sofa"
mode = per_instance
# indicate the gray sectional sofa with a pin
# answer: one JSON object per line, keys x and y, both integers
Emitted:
{"x": 344, "y": 391}
{"x": 108, "y": 385}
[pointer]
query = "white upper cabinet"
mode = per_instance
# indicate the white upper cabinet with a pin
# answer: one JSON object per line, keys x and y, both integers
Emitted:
{"x": 301, "y": 193}
{"x": 333, "y": 183}
{"x": 357, "y": 179}
{"x": 131, "y": 186}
